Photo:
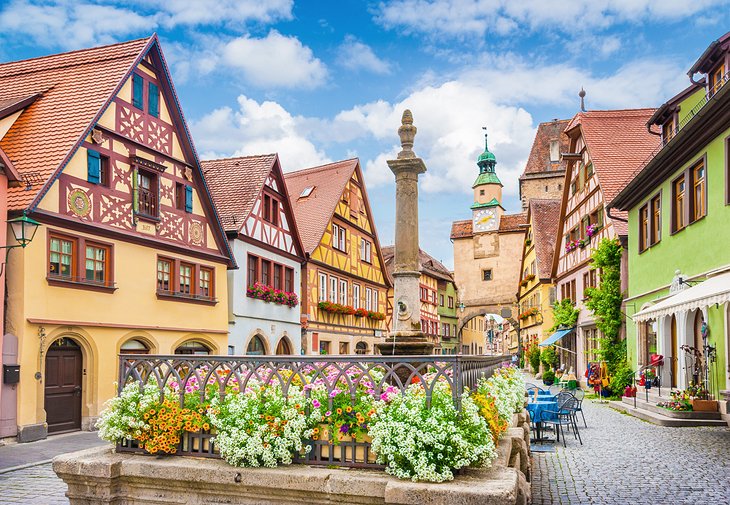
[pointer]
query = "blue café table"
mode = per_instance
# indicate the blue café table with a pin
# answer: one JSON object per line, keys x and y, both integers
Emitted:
{"x": 539, "y": 411}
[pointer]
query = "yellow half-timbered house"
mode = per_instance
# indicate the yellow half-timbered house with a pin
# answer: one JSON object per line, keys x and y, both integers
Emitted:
{"x": 344, "y": 285}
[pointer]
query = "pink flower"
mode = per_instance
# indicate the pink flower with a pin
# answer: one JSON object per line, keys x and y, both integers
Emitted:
{"x": 315, "y": 403}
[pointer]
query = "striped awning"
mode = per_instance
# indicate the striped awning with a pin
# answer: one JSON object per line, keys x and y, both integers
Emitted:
{"x": 713, "y": 290}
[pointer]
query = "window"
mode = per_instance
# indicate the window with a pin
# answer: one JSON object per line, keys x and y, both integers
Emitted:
{"x": 344, "y": 348}
{"x": 668, "y": 130}
{"x": 441, "y": 300}
{"x": 481, "y": 192}
{"x": 365, "y": 250}
{"x": 193, "y": 347}
{"x": 97, "y": 168}
{"x": 206, "y": 282}
{"x": 271, "y": 210}
{"x": 644, "y": 228}
{"x": 256, "y": 346}
{"x": 134, "y": 346}
{"x": 289, "y": 280}
{"x": 596, "y": 217}
{"x": 656, "y": 219}
{"x": 590, "y": 279}
{"x": 97, "y": 263}
{"x": 356, "y": 296}
{"x": 147, "y": 193}
{"x": 186, "y": 277}
{"x": 368, "y": 299}
{"x": 153, "y": 99}
{"x": 650, "y": 223}
{"x": 375, "y": 300}
{"x": 333, "y": 289}
{"x": 61, "y": 258}
{"x": 164, "y": 269}
{"x": 338, "y": 237}
{"x": 451, "y": 302}
{"x": 568, "y": 291}
{"x": 716, "y": 78}
{"x": 278, "y": 269}
{"x": 253, "y": 269}
{"x": 487, "y": 275}
{"x": 183, "y": 197}
{"x": 679, "y": 204}
{"x": 554, "y": 150}
{"x": 266, "y": 272}
{"x": 343, "y": 292}
{"x": 324, "y": 347}
{"x": 699, "y": 192}
{"x": 343, "y": 236}
{"x": 533, "y": 268}
{"x": 138, "y": 91}
{"x": 322, "y": 287}
{"x": 306, "y": 192}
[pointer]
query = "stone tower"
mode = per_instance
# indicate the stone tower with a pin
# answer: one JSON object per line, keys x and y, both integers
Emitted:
{"x": 487, "y": 207}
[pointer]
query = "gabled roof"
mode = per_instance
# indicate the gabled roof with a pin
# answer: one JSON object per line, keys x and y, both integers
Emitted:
{"x": 544, "y": 216}
{"x": 669, "y": 107}
{"x": 314, "y": 212}
{"x": 507, "y": 223}
{"x": 74, "y": 88}
{"x": 710, "y": 56}
{"x": 427, "y": 264}
{"x": 12, "y": 105}
{"x": 461, "y": 229}
{"x": 539, "y": 160}
{"x": 618, "y": 143}
{"x": 235, "y": 183}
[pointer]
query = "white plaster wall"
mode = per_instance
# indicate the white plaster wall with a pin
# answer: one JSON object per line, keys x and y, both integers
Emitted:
{"x": 250, "y": 316}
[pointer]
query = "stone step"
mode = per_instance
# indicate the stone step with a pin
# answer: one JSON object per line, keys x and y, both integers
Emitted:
{"x": 663, "y": 420}
{"x": 651, "y": 406}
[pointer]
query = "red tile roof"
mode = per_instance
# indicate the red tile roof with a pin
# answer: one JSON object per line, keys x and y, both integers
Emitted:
{"x": 314, "y": 212}
{"x": 544, "y": 217}
{"x": 513, "y": 222}
{"x": 539, "y": 160}
{"x": 427, "y": 263}
{"x": 73, "y": 87}
{"x": 235, "y": 183}
{"x": 461, "y": 229}
{"x": 618, "y": 143}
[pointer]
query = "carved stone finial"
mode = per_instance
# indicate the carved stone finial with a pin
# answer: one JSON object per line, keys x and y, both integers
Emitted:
{"x": 582, "y": 95}
{"x": 407, "y": 133}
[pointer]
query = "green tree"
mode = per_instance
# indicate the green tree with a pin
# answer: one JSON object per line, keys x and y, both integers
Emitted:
{"x": 565, "y": 314}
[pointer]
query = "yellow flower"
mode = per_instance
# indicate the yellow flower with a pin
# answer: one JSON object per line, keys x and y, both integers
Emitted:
{"x": 348, "y": 409}
{"x": 339, "y": 411}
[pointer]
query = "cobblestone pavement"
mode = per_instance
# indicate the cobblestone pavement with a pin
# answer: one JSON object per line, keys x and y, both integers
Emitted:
{"x": 624, "y": 460}
{"x": 37, "y": 485}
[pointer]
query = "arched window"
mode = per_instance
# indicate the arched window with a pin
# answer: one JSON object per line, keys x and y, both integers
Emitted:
{"x": 134, "y": 346}
{"x": 193, "y": 347}
{"x": 256, "y": 346}
{"x": 283, "y": 347}
{"x": 361, "y": 348}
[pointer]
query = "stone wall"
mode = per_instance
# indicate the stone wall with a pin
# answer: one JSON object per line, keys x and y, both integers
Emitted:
{"x": 100, "y": 476}
{"x": 534, "y": 187}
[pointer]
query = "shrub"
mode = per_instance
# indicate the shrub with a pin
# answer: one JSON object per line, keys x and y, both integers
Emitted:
{"x": 548, "y": 377}
{"x": 535, "y": 358}
{"x": 549, "y": 357}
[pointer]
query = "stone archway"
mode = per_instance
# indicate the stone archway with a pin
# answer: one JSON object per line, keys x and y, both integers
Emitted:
{"x": 504, "y": 311}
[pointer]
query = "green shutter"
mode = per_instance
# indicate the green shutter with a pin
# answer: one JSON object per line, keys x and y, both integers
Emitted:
{"x": 188, "y": 198}
{"x": 135, "y": 193}
{"x": 137, "y": 91}
{"x": 93, "y": 162}
{"x": 153, "y": 100}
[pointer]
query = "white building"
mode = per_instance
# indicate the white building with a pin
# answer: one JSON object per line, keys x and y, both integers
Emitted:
{"x": 253, "y": 204}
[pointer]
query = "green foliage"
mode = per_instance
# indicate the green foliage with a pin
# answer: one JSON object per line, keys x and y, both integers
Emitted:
{"x": 549, "y": 357}
{"x": 535, "y": 358}
{"x": 565, "y": 314}
{"x": 548, "y": 376}
{"x": 605, "y": 302}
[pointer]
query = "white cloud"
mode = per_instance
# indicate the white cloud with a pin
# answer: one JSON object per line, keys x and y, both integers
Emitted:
{"x": 256, "y": 128}
{"x": 463, "y": 18}
{"x": 274, "y": 61}
{"x": 354, "y": 55}
{"x": 198, "y": 12}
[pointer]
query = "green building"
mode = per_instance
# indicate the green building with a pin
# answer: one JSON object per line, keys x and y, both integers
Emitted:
{"x": 679, "y": 232}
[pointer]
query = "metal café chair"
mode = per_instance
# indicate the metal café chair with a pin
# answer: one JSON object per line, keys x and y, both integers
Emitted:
{"x": 579, "y": 395}
{"x": 564, "y": 416}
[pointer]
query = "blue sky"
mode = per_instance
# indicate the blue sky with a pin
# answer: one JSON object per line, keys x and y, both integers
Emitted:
{"x": 319, "y": 81}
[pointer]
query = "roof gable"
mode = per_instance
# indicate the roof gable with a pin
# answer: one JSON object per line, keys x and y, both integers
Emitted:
{"x": 427, "y": 264}
{"x": 544, "y": 216}
{"x": 539, "y": 160}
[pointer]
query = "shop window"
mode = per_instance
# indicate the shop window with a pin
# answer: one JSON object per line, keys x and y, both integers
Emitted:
{"x": 193, "y": 347}
{"x": 256, "y": 346}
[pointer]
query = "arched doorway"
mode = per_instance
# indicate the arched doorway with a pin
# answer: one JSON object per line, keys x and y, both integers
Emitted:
{"x": 62, "y": 392}
{"x": 193, "y": 347}
{"x": 361, "y": 348}
{"x": 283, "y": 347}
{"x": 673, "y": 346}
{"x": 256, "y": 346}
{"x": 134, "y": 346}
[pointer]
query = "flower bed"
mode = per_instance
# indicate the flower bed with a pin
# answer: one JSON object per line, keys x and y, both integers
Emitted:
{"x": 529, "y": 312}
{"x": 270, "y": 294}
{"x": 337, "y": 308}
{"x": 272, "y": 416}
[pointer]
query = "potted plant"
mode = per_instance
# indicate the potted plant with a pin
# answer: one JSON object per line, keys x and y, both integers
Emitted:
{"x": 700, "y": 398}
{"x": 548, "y": 378}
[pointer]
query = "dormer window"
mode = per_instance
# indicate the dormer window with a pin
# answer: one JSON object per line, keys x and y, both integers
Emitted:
{"x": 668, "y": 130}
{"x": 717, "y": 79}
{"x": 554, "y": 150}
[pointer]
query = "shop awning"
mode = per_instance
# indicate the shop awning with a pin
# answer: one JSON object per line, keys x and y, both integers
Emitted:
{"x": 556, "y": 336}
{"x": 713, "y": 290}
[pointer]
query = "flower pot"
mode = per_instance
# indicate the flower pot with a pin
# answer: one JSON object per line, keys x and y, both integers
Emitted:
{"x": 704, "y": 405}
{"x": 324, "y": 448}
{"x": 647, "y": 385}
{"x": 359, "y": 451}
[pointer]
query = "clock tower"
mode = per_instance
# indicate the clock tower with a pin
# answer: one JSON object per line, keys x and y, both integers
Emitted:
{"x": 487, "y": 208}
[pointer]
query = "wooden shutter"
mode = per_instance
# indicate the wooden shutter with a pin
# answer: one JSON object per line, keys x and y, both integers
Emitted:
{"x": 153, "y": 100}
{"x": 135, "y": 190}
{"x": 137, "y": 91}
{"x": 188, "y": 198}
{"x": 93, "y": 162}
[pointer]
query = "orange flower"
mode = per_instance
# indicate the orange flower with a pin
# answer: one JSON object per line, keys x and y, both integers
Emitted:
{"x": 339, "y": 410}
{"x": 348, "y": 409}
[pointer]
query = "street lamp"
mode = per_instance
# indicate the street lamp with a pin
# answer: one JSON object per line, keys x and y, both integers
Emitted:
{"x": 24, "y": 229}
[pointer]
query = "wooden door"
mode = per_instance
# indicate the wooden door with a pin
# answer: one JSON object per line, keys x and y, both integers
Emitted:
{"x": 63, "y": 386}
{"x": 673, "y": 358}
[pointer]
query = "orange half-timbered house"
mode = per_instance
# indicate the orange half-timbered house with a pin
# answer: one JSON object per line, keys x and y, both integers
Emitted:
{"x": 252, "y": 200}
{"x": 344, "y": 284}
{"x": 130, "y": 255}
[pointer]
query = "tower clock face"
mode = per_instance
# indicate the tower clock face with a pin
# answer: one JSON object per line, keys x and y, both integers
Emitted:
{"x": 485, "y": 220}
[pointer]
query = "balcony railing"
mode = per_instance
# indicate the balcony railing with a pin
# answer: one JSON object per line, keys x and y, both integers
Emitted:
{"x": 338, "y": 374}
{"x": 147, "y": 202}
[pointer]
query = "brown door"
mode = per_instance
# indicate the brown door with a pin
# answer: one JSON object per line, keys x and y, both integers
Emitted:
{"x": 63, "y": 386}
{"x": 673, "y": 358}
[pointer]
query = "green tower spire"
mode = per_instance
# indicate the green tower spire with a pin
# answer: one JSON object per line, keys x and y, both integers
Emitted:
{"x": 486, "y": 163}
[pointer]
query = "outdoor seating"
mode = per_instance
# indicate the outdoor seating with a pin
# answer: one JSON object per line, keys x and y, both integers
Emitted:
{"x": 579, "y": 396}
{"x": 565, "y": 415}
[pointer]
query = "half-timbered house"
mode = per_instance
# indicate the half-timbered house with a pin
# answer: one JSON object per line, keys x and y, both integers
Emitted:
{"x": 130, "y": 255}
{"x": 253, "y": 204}
{"x": 604, "y": 150}
{"x": 344, "y": 284}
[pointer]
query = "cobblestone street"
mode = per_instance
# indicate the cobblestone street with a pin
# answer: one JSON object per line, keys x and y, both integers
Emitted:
{"x": 36, "y": 485}
{"x": 624, "y": 460}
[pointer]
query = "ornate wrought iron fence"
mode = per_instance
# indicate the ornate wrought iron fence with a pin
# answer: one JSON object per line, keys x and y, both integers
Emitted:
{"x": 337, "y": 374}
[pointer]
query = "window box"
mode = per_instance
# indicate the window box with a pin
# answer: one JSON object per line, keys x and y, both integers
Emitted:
{"x": 526, "y": 280}
{"x": 185, "y": 297}
{"x": 80, "y": 283}
{"x": 336, "y": 308}
{"x": 270, "y": 294}
{"x": 361, "y": 313}
{"x": 376, "y": 316}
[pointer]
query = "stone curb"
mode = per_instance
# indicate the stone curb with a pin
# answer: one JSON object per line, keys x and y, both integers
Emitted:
{"x": 23, "y": 467}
